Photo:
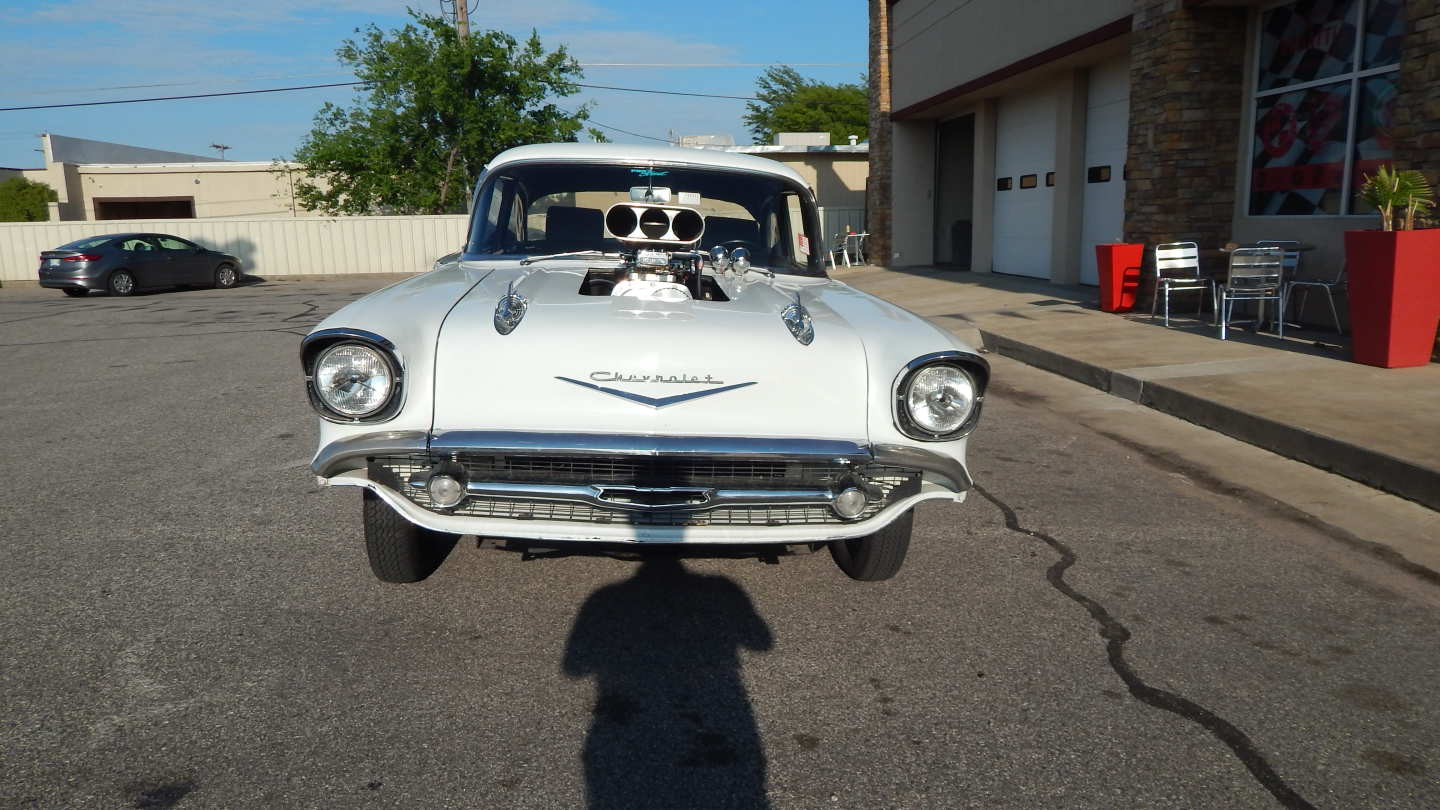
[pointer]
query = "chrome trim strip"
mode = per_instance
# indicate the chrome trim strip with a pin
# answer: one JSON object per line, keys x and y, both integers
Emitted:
{"x": 346, "y": 332}
{"x": 946, "y": 467}
{"x": 612, "y": 444}
{"x": 597, "y": 495}
{"x": 350, "y": 453}
{"x": 655, "y": 402}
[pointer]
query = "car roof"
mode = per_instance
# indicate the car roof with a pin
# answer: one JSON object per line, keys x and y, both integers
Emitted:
{"x": 633, "y": 153}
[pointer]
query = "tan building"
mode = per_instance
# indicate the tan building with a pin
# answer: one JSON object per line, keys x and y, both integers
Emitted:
{"x": 96, "y": 180}
{"x": 1024, "y": 132}
{"x": 837, "y": 173}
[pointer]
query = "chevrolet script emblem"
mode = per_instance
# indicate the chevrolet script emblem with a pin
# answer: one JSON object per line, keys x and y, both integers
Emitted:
{"x": 655, "y": 402}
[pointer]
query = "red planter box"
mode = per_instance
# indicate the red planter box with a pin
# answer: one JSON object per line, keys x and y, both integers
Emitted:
{"x": 1119, "y": 267}
{"x": 1394, "y": 294}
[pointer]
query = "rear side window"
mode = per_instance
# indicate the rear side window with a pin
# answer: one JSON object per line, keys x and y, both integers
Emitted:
{"x": 82, "y": 244}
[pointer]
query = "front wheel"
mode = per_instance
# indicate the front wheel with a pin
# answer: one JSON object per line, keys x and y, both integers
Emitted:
{"x": 878, "y": 556}
{"x": 226, "y": 277}
{"x": 399, "y": 550}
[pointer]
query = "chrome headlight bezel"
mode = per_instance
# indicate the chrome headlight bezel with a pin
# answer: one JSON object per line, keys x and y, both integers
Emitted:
{"x": 973, "y": 366}
{"x": 317, "y": 344}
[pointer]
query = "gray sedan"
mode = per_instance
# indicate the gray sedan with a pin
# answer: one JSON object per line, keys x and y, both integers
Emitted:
{"x": 121, "y": 263}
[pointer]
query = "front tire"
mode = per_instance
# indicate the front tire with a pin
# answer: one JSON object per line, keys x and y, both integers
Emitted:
{"x": 121, "y": 283}
{"x": 878, "y": 556}
{"x": 75, "y": 292}
{"x": 226, "y": 277}
{"x": 399, "y": 550}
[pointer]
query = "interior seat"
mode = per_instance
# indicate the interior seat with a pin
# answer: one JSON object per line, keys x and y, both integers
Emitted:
{"x": 568, "y": 227}
{"x": 730, "y": 229}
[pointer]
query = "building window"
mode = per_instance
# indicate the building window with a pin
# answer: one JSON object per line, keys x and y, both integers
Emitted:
{"x": 1049, "y": 179}
{"x": 1324, "y": 96}
{"x": 1003, "y": 184}
{"x": 1029, "y": 180}
{"x": 1097, "y": 174}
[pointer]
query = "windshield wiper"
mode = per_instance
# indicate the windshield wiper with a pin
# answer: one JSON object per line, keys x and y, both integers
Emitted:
{"x": 565, "y": 255}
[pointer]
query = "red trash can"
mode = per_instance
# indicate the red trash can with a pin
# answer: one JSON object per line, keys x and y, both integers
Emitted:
{"x": 1119, "y": 267}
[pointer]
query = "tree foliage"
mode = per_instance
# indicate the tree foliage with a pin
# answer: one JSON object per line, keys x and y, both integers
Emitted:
{"x": 22, "y": 200}
{"x": 790, "y": 102}
{"x": 435, "y": 109}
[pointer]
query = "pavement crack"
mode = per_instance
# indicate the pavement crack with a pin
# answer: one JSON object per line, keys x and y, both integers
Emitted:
{"x": 310, "y": 308}
{"x": 1116, "y": 634}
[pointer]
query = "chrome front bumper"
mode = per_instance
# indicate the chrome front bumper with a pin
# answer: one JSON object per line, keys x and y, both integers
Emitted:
{"x": 355, "y": 452}
{"x": 642, "y": 488}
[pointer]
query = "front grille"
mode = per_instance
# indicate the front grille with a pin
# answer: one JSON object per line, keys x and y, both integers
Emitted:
{"x": 647, "y": 471}
{"x": 893, "y": 483}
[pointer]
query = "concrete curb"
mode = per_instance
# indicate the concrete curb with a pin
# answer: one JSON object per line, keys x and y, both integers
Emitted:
{"x": 1369, "y": 467}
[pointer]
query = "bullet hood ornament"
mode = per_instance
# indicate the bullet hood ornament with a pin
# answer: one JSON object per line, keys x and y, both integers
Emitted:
{"x": 797, "y": 320}
{"x": 510, "y": 310}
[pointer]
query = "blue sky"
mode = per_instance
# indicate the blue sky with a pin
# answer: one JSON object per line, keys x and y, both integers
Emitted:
{"x": 91, "y": 50}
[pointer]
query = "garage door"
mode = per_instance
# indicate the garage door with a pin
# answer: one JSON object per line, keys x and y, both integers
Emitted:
{"x": 1107, "y": 131}
{"x": 1024, "y": 154}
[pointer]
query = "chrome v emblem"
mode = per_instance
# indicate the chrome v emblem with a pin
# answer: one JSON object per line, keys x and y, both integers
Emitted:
{"x": 655, "y": 402}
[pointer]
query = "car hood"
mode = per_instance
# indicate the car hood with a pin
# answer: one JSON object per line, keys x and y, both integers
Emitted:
{"x": 601, "y": 364}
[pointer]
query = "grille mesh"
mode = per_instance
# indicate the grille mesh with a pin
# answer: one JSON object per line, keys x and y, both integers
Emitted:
{"x": 646, "y": 472}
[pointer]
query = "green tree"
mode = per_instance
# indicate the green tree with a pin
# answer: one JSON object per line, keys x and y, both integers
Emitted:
{"x": 435, "y": 108}
{"x": 790, "y": 102}
{"x": 24, "y": 201}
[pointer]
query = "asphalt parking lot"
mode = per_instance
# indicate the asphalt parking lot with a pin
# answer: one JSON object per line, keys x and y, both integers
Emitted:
{"x": 190, "y": 622}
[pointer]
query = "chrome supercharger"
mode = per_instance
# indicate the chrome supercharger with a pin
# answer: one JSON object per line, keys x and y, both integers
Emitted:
{"x": 659, "y": 257}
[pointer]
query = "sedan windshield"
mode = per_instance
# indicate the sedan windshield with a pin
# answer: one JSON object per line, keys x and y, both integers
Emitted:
{"x": 541, "y": 209}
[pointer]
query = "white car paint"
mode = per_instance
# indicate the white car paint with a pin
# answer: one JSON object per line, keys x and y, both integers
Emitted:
{"x": 461, "y": 374}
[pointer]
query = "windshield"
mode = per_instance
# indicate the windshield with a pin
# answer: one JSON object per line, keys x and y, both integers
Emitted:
{"x": 538, "y": 209}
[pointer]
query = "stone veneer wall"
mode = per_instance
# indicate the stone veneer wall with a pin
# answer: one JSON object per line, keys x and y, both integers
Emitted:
{"x": 1417, "y": 106}
{"x": 879, "y": 191}
{"x": 1187, "y": 67}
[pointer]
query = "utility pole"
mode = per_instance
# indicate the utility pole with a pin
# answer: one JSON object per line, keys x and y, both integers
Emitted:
{"x": 220, "y": 147}
{"x": 462, "y": 18}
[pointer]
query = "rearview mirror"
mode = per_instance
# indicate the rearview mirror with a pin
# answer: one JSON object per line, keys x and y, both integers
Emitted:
{"x": 647, "y": 194}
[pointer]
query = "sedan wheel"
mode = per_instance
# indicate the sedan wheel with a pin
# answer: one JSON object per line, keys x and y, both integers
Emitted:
{"x": 226, "y": 277}
{"x": 878, "y": 556}
{"x": 121, "y": 283}
{"x": 76, "y": 292}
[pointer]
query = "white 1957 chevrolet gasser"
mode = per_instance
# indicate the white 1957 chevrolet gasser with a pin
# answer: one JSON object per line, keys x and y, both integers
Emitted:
{"x": 639, "y": 346}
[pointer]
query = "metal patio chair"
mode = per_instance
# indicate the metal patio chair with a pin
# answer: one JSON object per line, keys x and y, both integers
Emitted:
{"x": 1255, "y": 274}
{"x": 1330, "y": 288}
{"x": 1177, "y": 269}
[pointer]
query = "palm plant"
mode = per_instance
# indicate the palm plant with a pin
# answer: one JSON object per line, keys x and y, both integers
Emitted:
{"x": 1394, "y": 191}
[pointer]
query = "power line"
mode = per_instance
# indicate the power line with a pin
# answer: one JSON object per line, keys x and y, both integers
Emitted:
{"x": 356, "y": 84}
{"x": 626, "y": 131}
{"x": 664, "y": 92}
{"x": 179, "y": 98}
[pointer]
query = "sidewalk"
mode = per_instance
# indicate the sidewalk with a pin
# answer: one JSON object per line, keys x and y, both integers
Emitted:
{"x": 1300, "y": 397}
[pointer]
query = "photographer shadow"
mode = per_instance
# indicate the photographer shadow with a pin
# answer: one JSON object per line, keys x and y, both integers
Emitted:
{"x": 672, "y": 723}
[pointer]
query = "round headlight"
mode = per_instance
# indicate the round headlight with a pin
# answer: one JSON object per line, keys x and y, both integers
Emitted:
{"x": 353, "y": 379}
{"x": 939, "y": 398}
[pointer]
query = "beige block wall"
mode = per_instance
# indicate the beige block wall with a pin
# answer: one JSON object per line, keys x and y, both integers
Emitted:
{"x": 245, "y": 190}
{"x": 937, "y": 46}
{"x": 838, "y": 179}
